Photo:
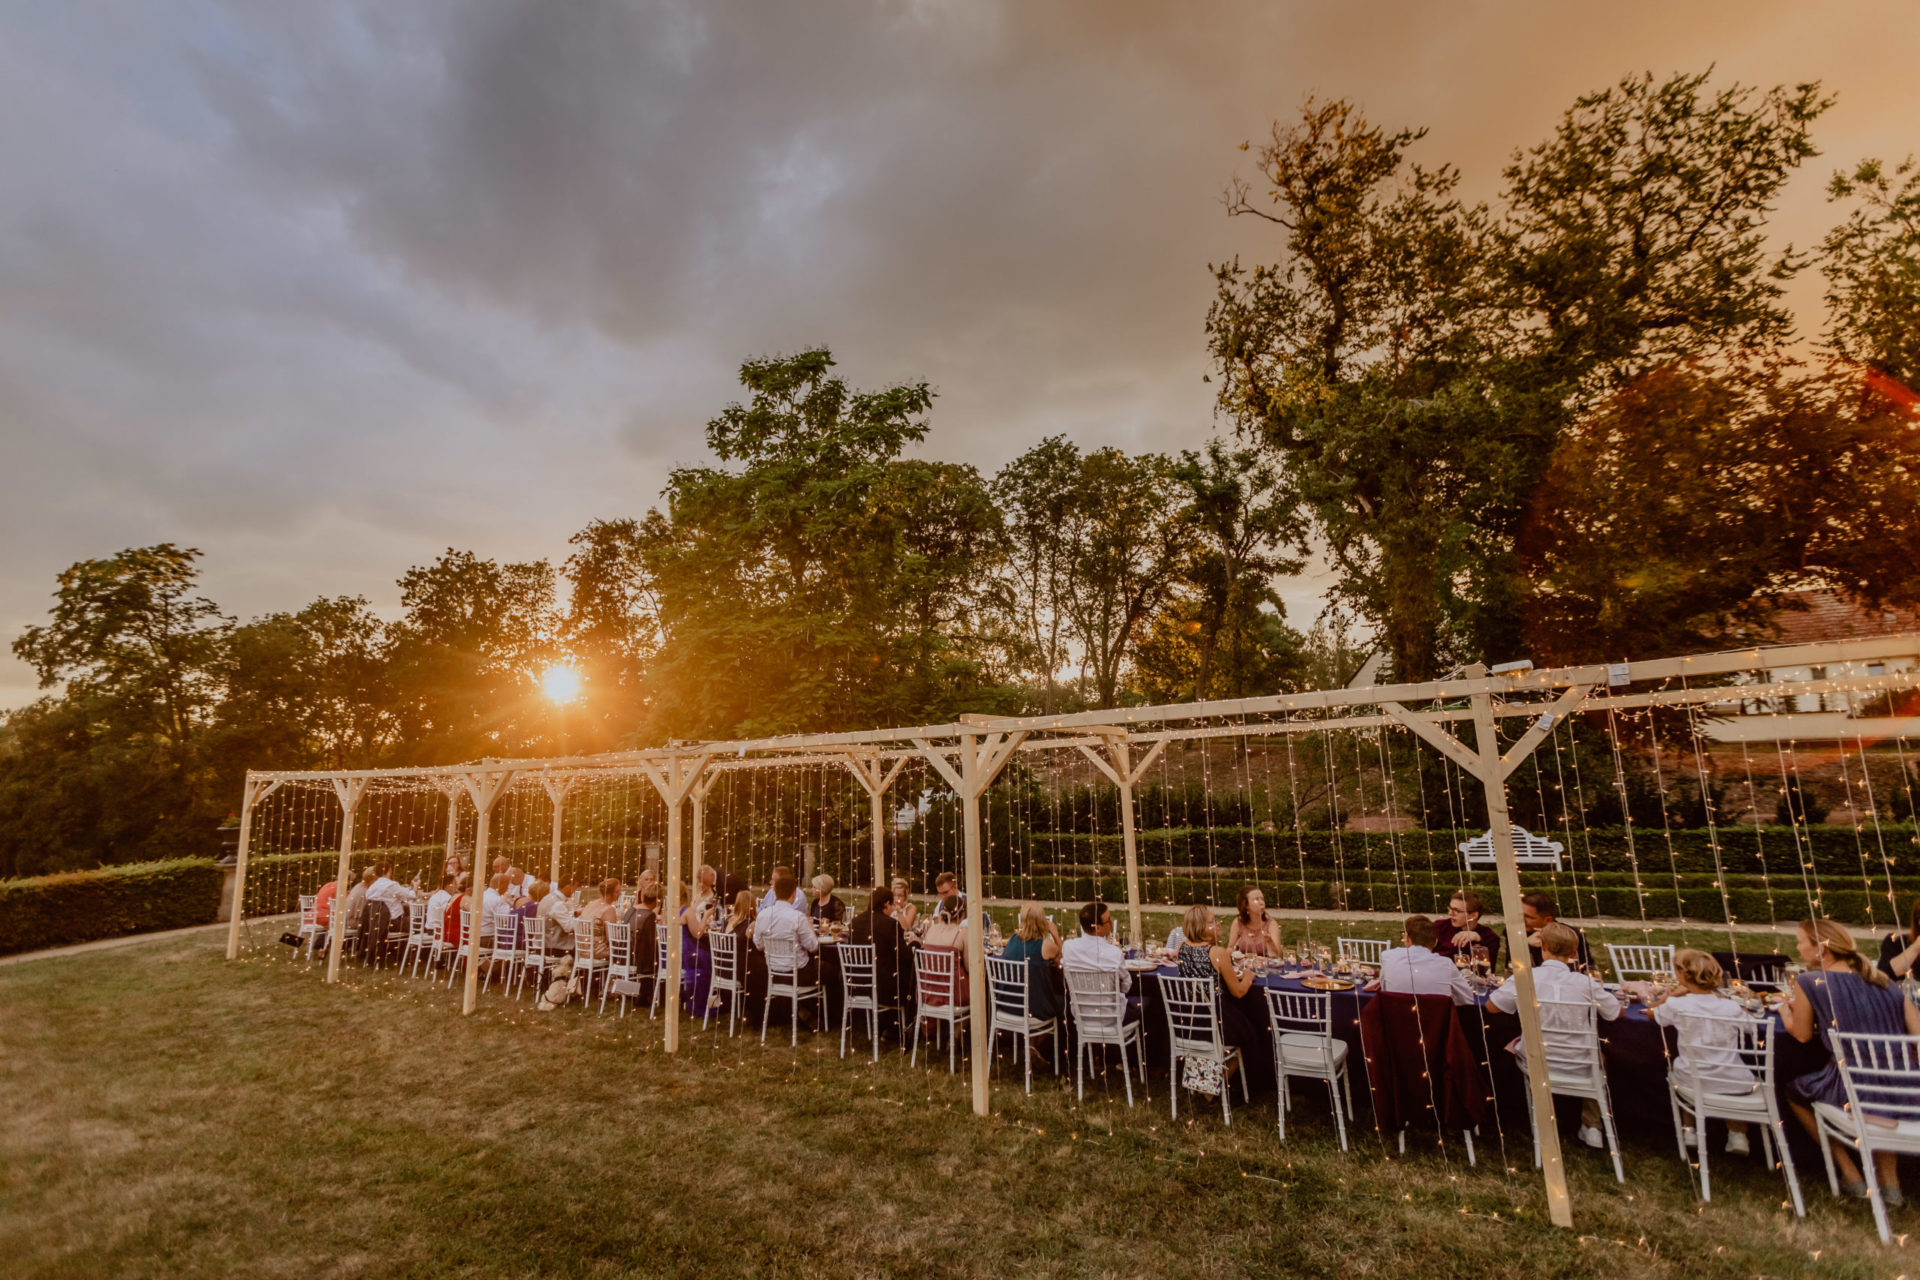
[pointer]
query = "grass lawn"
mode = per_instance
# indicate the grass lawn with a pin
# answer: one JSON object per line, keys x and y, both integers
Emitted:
{"x": 170, "y": 1114}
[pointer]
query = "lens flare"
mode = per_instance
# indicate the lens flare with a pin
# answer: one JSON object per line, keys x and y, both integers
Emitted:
{"x": 561, "y": 683}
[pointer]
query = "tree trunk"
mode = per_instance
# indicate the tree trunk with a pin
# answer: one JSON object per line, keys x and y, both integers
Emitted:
{"x": 1409, "y": 575}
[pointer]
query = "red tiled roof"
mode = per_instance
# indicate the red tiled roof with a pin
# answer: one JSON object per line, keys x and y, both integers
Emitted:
{"x": 1830, "y": 616}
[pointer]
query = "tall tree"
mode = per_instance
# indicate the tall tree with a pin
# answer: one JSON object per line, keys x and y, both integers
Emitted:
{"x": 1038, "y": 497}
{"x": 1872, "y": 265}
{"x": 1132, "y": 539}
{"x": 306, "y": 690}
{"x": 611, "y": 631}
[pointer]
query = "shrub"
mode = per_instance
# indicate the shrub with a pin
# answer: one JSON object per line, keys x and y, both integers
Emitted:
{"x": 80, "y": 906}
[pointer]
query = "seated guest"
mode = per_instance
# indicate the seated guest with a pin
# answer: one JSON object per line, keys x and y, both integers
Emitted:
{"x": 556, "y": 908}
{"x": 740, "y": 917}
{"x": 1253, "y": 932}
{"x": 952, "y": 906}
{"x": 1037, "y": 942}
{"x": 492, "y": 901}
{"x": 648, "y": 877}
{"x": 390, "y": 891}
{"x": 1841, "y": 992}
{"x": 1413, "y": 969}
{"x": 878, "y": 928}
{"x": 1242, "y": 1022}
{"x": 825, "y": 909}
{"x": 453, "y": 925}
{"x": 323, "y": 904}
{"x": 644, "y": 920}
{"x": 1537, "y": 911}
{"x": 1713, "y": 1058}
{"x": 1554, "y": 978}
{"x": 796, "y": 896}
{"x": 596, "y": 916}
{"x": 783, "y": 919}
{"x": 1094, "y": 948}
{"x": 518, "y": 886}
{"x": 1900, "y": 949}
{"x": 901, "y": 907}
{"x": 529, "y": 906}
{"x": 357, "y": 900}
{"x": 437, "y": 903}
{"x": 1463, "y": 930}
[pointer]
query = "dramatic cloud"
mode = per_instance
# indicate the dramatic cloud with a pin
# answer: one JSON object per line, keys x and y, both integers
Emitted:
{"x": 324, "y": 289}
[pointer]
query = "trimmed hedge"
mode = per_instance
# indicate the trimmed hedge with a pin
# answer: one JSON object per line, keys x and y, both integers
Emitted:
{"x": 80, "y": 906}
{"x": 276, "y": 881}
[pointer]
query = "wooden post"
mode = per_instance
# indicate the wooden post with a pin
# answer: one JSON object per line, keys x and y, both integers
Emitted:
{"x": 350, "y": 790}
{"x": 486, "y": 790}
{"x": 1120, "y": 768}
{"x": 254, "y": 793}
{"x": 674, "y": 782}
{"x": 697, "y": 857}
{"x": 980, "y": 760}
{"x": 453, "y": 820}
{"x": 558, "y": 789}
{"x": 876, "y": 777}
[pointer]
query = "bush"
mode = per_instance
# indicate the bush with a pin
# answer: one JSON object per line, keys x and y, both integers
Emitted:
{"x": 80, "y": 906}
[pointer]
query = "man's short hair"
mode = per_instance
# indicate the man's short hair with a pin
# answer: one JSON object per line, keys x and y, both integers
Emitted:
{"x": 449, "y": 881}
{"x": 1558, "y": 941}
{"x": 649, "y": 895}
{"x": 1421, "y": 933}
{"x": 379, "y": 869}
{"x": 1091, "y": 914}
{"x": 1471, "y": 901}
{"x": 368, "y": 876}
{"x": 944, "y": 879}
{"x": 499, "y": 882}
{"x": 1542, "y": 903}
{"x": 880, "y": 899}
{"x": 783, "y": 884}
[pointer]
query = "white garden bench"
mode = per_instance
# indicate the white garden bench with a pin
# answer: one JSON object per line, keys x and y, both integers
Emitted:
{"x": 1529, "y": 850}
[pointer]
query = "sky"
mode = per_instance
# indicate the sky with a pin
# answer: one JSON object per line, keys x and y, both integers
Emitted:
{"x": 324, "y": 290}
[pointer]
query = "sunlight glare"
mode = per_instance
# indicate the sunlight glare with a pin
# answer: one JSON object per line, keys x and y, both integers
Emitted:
{"x": 561, "y": 683}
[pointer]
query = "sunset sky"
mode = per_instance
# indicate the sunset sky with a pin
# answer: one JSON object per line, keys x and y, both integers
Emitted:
{"x": 326, "y": 289}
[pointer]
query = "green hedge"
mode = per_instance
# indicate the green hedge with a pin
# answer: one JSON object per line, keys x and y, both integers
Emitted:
{"x": 80, "y": 906}
{"x": 275, "y": 882}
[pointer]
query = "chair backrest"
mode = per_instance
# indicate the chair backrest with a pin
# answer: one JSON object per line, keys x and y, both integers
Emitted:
{"x": 1881, "y": 1074}
{"x": 1098, "y": 1002}
{"x": 1757, "y": 968}
{"x": 506, "y": 931}
{"x": 1571, "y": 1030}
{"x": 1363, "y": 950}
{"x": 619, "y": 945}
{"x": 582, "y": 940}
{"x": 416, "y": 920}
{"x": 783, "y": 957}
{"x": 725, "y": 948}
{"x": 933, "y": 976}
{"x": 1300, "y": 1013}
{"x": 1007, "y": 981}
{"x": 1193, "y": 1022}
{"x": 664, "y": 936}
{"x": 535, "y": 935}
{"x": 1724, "y": 1055}
{"x": 1637, "y": 961}
{"x": 309, "y": 907}
{"x": 858, "y": 981}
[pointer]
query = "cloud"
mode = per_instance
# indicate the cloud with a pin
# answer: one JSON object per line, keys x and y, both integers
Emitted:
{"x": 326, "y": 288}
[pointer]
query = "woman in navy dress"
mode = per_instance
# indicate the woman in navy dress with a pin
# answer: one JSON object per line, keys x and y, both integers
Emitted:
{"x": 1842, "y": 992}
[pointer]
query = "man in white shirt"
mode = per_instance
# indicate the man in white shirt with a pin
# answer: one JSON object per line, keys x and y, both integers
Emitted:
{"x": 797, "y": 898}
{"x": 783, "y": 920}
{"x": 1555, "y": 979}
{"x": 557, "y": 910}
{"x": 390, "y": 891}
{"x": 1093, "y": 949}
{"x": 492, "y": 901}
{"x": 1413, "y": 969}
{"x": 518, "y": 886}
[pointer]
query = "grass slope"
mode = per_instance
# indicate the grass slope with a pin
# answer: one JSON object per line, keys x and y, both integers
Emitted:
{"x": 169, "y": 1114}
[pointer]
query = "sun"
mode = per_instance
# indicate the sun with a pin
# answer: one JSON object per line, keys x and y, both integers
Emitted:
{"x": 561, "y": 683}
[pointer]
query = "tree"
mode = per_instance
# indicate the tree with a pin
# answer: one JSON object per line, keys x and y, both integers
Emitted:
{"x": 1680, "y": 515}
{"x": 467, "y": 657}
{"x": 1414, "y": 360}
{"x": 823, "y": 582}
{"x": 1872, "y": 265}
{"x": 306, "y": 690}
{"x": 1131, "y": 539}
{"x": 611, "y": 630}
{"x": 1038, "y": 497}
{"x": 119, "y": 755}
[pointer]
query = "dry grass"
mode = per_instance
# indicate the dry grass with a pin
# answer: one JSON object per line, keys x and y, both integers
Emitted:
{"x": 171, "y": 1114}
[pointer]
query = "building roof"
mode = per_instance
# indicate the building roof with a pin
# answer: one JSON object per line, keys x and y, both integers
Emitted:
{"x": 1829, "y": 615}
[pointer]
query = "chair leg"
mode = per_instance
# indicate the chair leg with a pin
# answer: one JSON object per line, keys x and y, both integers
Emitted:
{"x": 1080, "y": 1080}
{"x": 1613, "y": 1142}
{"x": 1786, "y": 1163}
{"x": 1126, "y": 1075}
{"x": 1339, "y": 1116}
{"x": 1826, "y": 1153}
{"x": 1872, "y": 1172}
{"x": 1706, "y": 1177}
{"x": 1175, "y": 1090}
{"x": 1468, "y": 1134}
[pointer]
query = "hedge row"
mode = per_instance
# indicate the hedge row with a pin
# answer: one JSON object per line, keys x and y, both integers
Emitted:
{"x": 275, "y": 882}
{"x": 1776, "y": 850}
{"x": 80, "y": 906}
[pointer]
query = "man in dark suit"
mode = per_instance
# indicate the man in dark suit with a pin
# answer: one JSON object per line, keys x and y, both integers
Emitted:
{"x": 723, "y": 884}
{"x": 876, "y": 928}
{"x": 1537, "y": 911}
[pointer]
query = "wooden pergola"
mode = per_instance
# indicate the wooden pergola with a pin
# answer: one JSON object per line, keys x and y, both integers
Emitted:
{"x": 1121, "y": 743}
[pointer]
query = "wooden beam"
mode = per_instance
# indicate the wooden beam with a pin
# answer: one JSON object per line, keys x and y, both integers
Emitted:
{"x": 1565, "y": 705}
{"x": 1448, "y": 745}
{"x": 254, "y": 791}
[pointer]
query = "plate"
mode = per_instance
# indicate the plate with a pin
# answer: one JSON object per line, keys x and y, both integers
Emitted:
{"x": 1320, "y": 982}
{"x": 1142, "y": 966}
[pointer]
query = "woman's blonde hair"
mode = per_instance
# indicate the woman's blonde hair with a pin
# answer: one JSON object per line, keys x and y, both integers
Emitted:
{"x": 743, "y": 904}
{"x": 823, "y": 883}
{"x": 1033, "y": 922}
{"x": 1833, "y": 938}
{"x": 1198, "y": 924}
{"x": 1698, "y": 970}
{"x": 899, "y": 882}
